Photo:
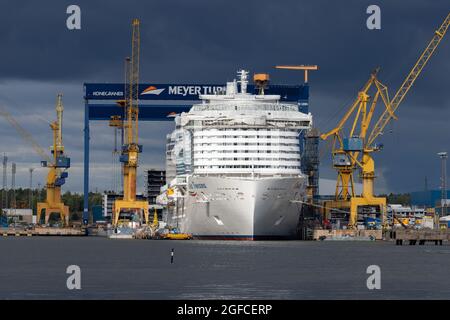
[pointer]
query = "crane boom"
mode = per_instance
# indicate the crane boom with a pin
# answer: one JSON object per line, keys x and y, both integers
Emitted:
{"x": 347, "y": 115}
{"x": 59, "y": 119}
{"x": 25, "y": 134}
{"x": 301, "y": 67}
{"x": 131, "y": 114}
{"x": 409, "y": 81}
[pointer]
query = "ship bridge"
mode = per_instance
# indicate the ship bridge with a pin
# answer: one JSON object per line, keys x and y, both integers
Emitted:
{"x": 237, "y": 134}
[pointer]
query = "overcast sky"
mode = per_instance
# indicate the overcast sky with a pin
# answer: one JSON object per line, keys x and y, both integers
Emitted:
{"x": 206, "y": 42}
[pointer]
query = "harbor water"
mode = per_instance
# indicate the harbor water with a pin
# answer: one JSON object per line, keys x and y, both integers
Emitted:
{"x": 35, "y": 268}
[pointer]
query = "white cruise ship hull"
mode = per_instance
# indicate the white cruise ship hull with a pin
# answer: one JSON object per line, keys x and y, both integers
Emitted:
{"x": 240, "y": 209}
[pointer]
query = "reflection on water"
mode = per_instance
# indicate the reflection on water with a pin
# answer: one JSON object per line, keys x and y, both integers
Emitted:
{"x": 227, "y": 291}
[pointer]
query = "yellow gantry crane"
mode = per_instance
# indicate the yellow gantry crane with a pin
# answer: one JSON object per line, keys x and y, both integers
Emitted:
{"x": 131, "y": 148}
{"x": 57, "y": 173}
{"x": 57, "y": 165}
{"x": 354, "y": 150}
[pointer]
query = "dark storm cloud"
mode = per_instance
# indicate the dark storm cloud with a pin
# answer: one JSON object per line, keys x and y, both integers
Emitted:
{"x": 206, "y": 41}
{"x": 179, "y": 37}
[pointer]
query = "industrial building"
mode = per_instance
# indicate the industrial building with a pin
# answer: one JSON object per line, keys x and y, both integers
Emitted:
{"x": 154, "y": 180}
{"x": 410, "y": 216}
{"x": 19, "y": 215}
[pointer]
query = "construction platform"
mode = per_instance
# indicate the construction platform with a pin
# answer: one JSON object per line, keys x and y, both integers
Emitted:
{"x": 348, "y": 234}
{"x": 420, "y": 236}
{"x": 39, "y": 231}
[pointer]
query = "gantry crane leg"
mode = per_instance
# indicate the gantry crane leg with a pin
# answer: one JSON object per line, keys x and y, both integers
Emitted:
{"x": 45, "y": 209}
{"x": 124, "y": 205}
{"x": 356, "y": 202}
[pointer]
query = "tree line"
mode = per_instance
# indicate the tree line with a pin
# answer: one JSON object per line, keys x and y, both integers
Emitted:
{"x": 21, "y": 198}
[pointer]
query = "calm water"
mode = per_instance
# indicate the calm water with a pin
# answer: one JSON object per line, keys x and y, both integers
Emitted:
{"x": 35, "y": 268}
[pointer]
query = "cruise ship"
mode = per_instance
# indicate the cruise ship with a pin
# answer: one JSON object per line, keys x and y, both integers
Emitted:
{"x": 233, "y": 166}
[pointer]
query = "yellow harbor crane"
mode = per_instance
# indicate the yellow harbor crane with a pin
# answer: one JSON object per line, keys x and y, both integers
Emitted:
{"x": 131, "y": 148}
{"x": 354, "y": 150}
{"x": 57, "y": 165}
{"x": 57, "y": 172}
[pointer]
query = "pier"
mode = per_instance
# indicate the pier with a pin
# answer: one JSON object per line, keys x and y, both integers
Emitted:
{"x": 420, "y": 236}
{"x": 40, "y": 231}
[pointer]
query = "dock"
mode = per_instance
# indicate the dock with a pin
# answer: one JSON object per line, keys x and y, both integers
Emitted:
{"x": 39, "y": 231}
{"x": 420, "y": 236}
{"x": 348, "y": 234}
